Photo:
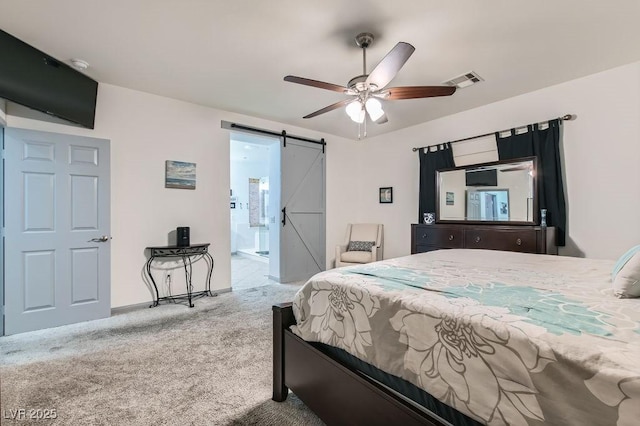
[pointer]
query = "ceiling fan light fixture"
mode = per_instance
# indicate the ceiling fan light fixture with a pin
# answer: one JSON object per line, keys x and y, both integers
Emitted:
{"x": 374, "y": 108}
{"x": 355, "y": 111}
{"x": 359, "y": 118}
{"x": 353, "y": 108}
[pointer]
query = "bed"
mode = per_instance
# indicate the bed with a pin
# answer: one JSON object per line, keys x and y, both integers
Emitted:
{"x": 498, "y": 337}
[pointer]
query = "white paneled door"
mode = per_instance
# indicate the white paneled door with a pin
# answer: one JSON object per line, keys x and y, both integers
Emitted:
{"x": 57, "y": 230}
{"x": 302, "y": 197}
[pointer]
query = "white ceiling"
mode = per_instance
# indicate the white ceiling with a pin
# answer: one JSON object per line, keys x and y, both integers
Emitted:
{"x": 250, "y": 147}
{"x": 233, "y": 54}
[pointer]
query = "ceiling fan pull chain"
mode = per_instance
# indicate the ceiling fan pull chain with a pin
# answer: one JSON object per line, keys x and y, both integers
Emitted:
{"x": 365, "y": 125}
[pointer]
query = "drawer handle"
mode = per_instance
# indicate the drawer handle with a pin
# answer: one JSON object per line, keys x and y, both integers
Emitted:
{"x": 519, "y": 242}
{"x": 451, "y": 237}
{"x": 424, "y": 236}
{"x": 478, "y": 239}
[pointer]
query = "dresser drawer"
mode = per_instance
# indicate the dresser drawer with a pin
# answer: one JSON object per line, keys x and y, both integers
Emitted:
{"x": 508, "y": 240}
{"x": 438, "y": 237}
{"x": 526, "y": 239}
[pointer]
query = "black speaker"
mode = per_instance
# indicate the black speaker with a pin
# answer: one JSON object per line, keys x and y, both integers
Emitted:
{"x": 182, "y": 236}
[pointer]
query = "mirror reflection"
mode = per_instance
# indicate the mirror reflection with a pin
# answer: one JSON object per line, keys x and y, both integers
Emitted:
{"x": 501, "y": 191}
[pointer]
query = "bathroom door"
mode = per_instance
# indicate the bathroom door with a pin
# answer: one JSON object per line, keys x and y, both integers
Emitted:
{"x": 302, "y": 201}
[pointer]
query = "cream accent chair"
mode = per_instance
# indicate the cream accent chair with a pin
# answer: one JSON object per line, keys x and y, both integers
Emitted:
{"x": 360, "y": 232}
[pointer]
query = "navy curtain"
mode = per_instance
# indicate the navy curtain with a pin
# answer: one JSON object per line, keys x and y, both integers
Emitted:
{"x": 430, "y": 161}
{"x": 544, "y": 144}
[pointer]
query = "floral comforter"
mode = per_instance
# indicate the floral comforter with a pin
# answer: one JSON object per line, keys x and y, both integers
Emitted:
{"x": 505, "y": 338}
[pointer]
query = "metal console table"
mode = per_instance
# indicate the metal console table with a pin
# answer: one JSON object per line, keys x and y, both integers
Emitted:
{"x": 189, "y": 254}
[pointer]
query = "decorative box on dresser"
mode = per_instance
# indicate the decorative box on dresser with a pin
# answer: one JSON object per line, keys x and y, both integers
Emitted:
{"x": 522, "y": 238}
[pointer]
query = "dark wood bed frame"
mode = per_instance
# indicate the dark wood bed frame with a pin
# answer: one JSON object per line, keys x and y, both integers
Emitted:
{"x": 337, "y": 394}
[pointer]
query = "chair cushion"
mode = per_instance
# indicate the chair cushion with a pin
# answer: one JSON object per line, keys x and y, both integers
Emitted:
{"x": 360, "y": 245}
{"x": 356, "y": 256}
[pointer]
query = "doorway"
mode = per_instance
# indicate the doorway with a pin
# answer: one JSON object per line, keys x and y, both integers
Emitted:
{"x": 250, "y": 207}
{"x": 286, "y": 207}
{"x": 488, "y": 204}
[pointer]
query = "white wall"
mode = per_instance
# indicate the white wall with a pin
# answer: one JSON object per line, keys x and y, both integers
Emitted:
{"x": 601, "y": 150}
{"x": 344, "y": 191}
{"x": 145, "y": 130}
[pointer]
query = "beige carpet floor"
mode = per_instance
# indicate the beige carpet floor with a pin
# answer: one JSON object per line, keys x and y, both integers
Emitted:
{"x": 170, "y": 365}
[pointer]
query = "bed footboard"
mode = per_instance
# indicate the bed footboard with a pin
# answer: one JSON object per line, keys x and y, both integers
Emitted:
{"x": 334, "y": 392}
{"x": 282, "y": 320}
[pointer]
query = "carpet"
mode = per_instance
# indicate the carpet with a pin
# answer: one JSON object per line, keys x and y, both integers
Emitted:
{"x": 170, "y": 365}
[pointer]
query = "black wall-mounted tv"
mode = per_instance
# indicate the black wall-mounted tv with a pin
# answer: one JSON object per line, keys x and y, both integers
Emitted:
{"x": 482, "y": 178}
{"x": 34, "y": 79}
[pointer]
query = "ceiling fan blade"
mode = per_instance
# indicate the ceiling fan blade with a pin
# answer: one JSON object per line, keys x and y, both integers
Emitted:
{"x": 328, "y": 108}
{"x": 414, "y": 92}
{"x": 389, "y": 66}
{"x": 316, "y": 83}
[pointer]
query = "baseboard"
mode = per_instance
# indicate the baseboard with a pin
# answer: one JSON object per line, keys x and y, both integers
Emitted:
{"x": 129, "y": 308}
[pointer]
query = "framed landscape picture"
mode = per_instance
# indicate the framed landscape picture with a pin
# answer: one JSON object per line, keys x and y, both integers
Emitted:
{"x": 179, "y": 174}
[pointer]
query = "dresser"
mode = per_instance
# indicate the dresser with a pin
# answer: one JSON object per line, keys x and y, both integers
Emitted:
{"x": 522, "y": 238}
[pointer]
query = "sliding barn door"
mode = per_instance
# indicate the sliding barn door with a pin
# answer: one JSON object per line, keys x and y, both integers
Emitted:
{"x": 57, "y": 267}
{"x": 302, "y": 200}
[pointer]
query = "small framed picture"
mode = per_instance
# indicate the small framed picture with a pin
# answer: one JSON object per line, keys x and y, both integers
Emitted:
{"x": 450, "y": 198}
{"x": 386, "y": 195}
{"x": 180, "y": 174}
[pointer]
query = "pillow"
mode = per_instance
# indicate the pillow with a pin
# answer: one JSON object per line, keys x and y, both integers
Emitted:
{"x": 626, "y": 274}
{"x": 360, "y": 245}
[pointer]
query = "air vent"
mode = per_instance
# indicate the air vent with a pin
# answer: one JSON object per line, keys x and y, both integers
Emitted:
{"x": 464, "y": 80}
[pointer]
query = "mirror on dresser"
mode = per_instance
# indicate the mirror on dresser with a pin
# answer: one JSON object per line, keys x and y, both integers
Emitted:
{"x": 500, "y": 192}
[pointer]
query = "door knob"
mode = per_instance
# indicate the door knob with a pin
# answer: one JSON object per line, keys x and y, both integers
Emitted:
{"x": 102, "y": 239}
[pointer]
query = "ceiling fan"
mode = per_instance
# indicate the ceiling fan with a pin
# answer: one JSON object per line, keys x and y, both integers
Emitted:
{"x": 365, "y": 90}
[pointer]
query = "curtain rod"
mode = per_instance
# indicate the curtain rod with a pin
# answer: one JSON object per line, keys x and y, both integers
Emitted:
{"x": 227, "y": 125}
{"x": 566, "y": 117}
